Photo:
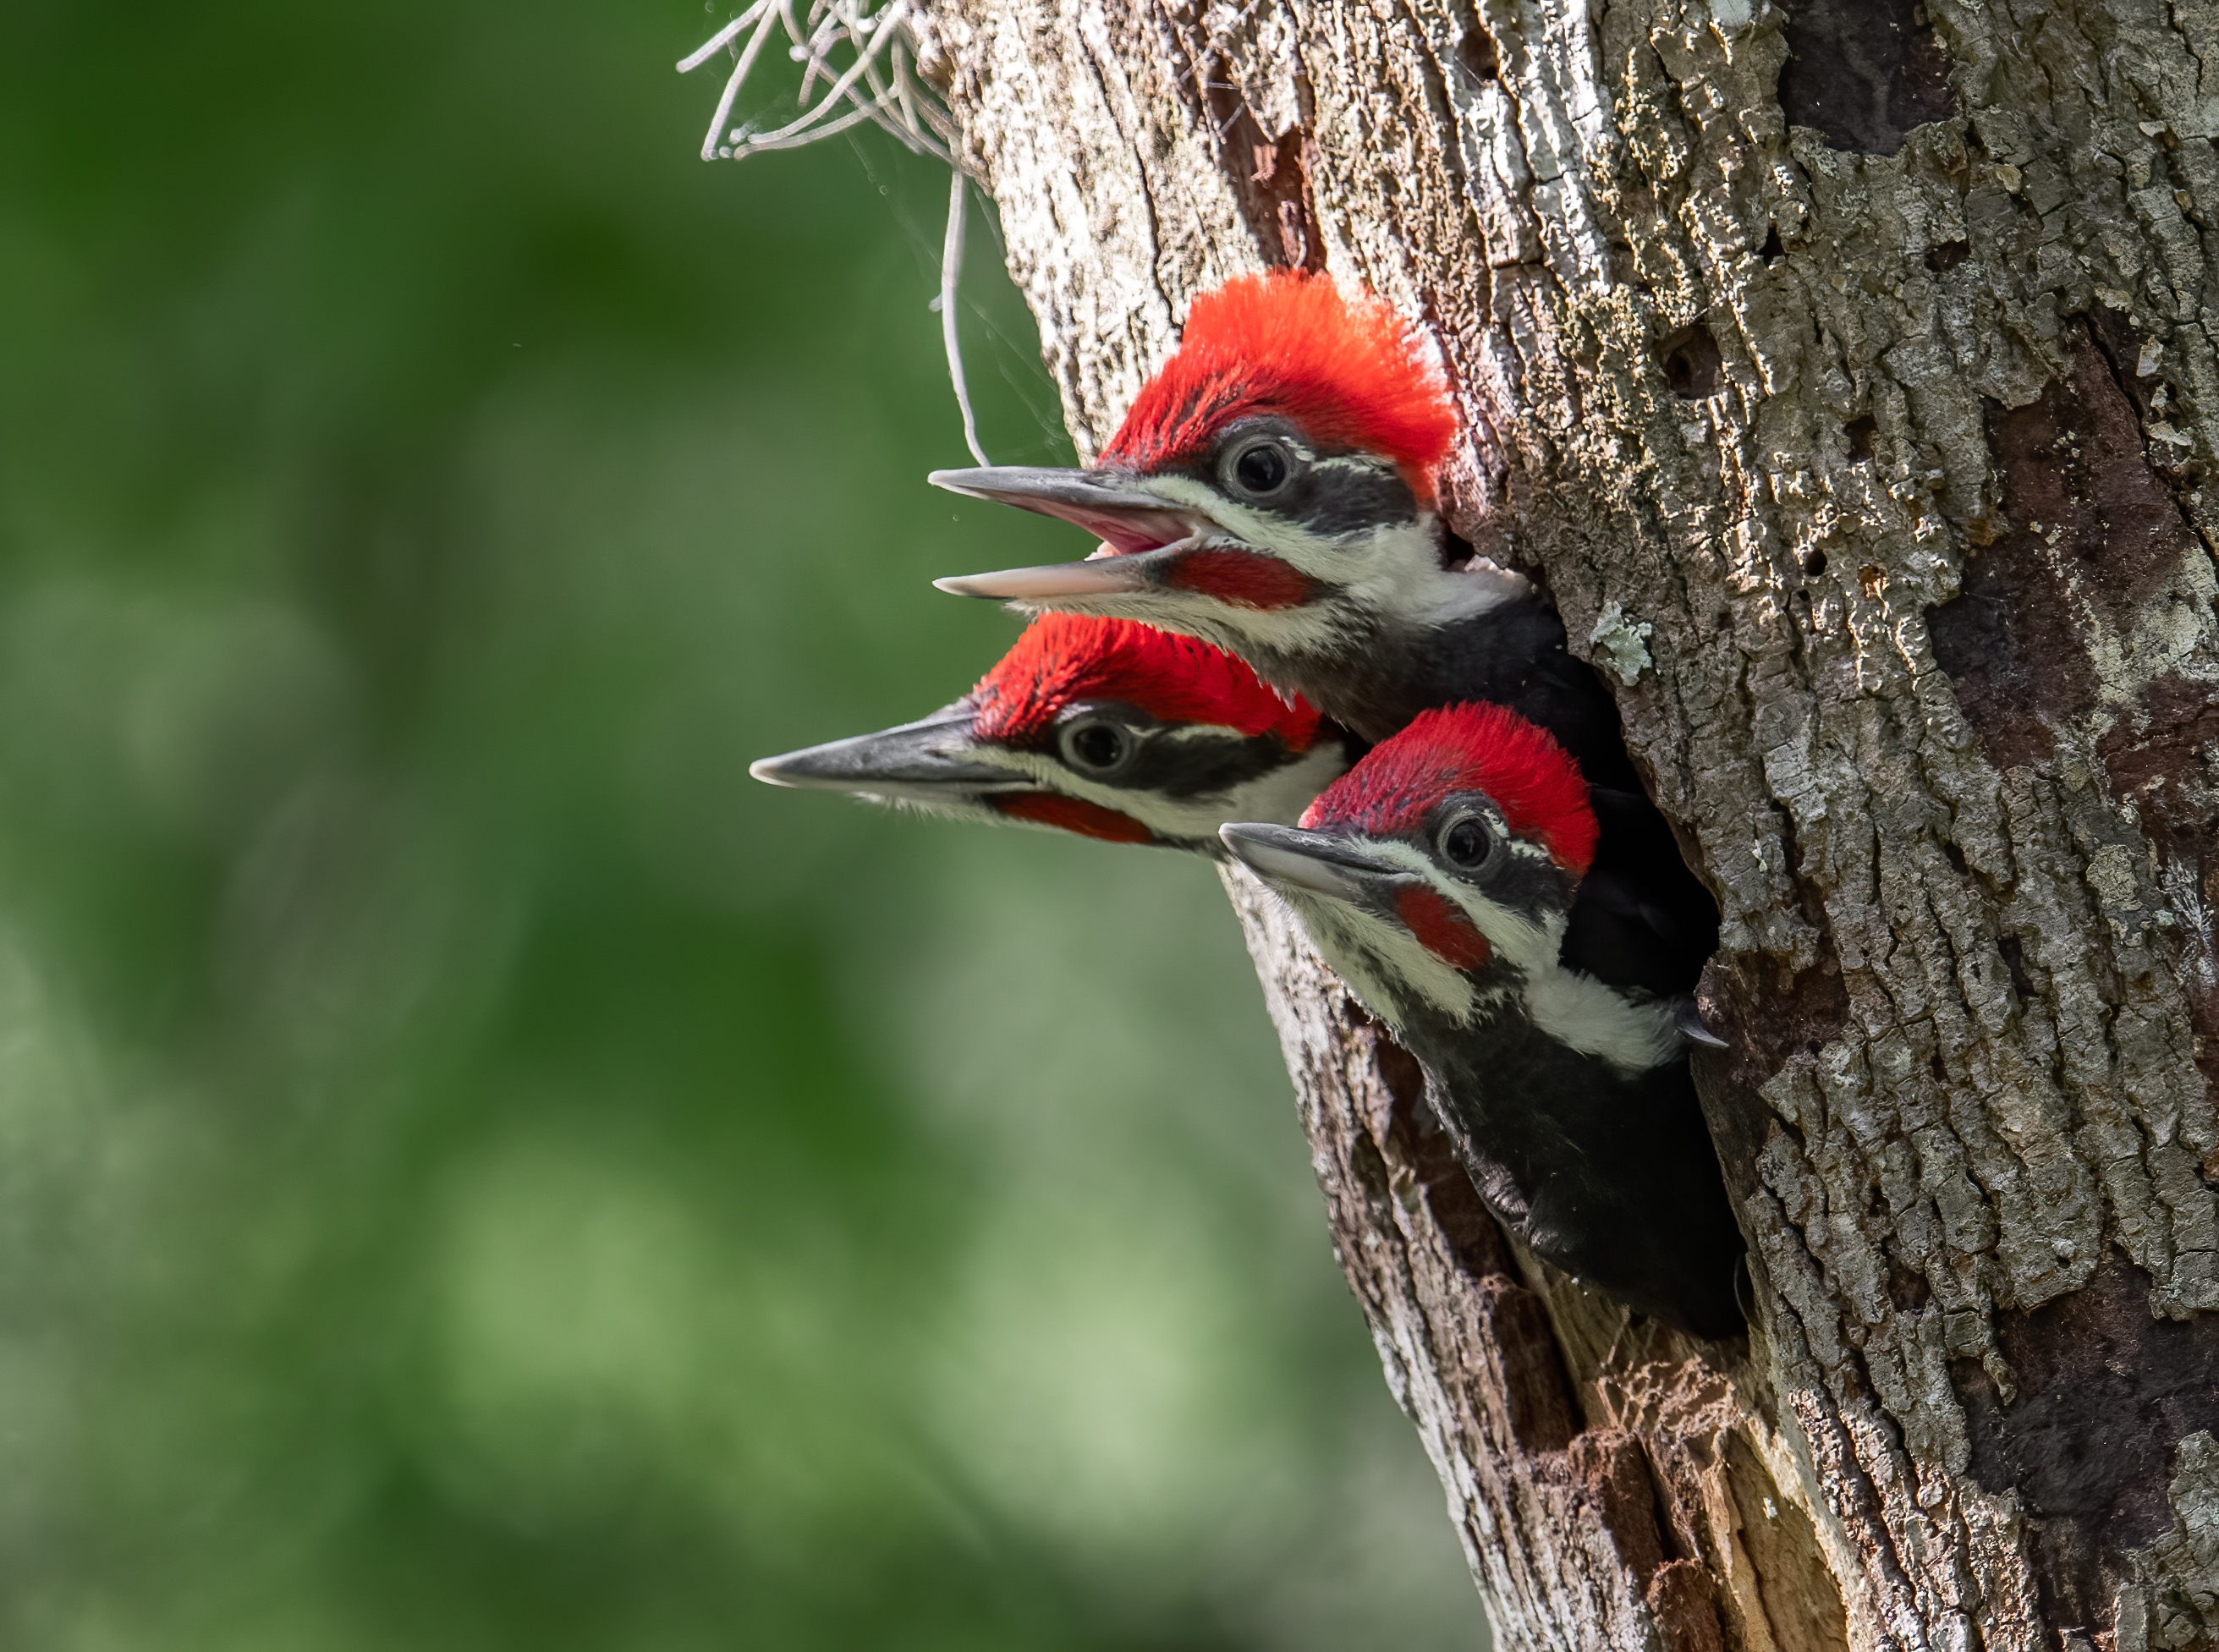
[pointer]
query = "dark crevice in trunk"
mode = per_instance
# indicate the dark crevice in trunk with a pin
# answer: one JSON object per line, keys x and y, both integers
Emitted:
{"x": 1863, "y": 72}
{"x": 2105, "y": 1394}
{"x": 2113, "y": 338}
{"x": 2089, "y": 528}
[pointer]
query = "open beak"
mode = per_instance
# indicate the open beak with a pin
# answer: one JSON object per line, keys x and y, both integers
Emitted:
{"x": 1126, "y": 519}
{"x": 925, "y": 761}
{"x": 1097, "y": 576}
{"x": 1286, "y": 857}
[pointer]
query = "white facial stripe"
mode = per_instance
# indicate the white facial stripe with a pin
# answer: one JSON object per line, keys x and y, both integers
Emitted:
{"x": 1573, "y": 1007}
{"x": 1279, "y": 796}
{"x": 1581, "y": 1012}
{"x": 1378, "y": 957}
{"x": 1384, "y": 964}
{"x": 1394, "y": 570}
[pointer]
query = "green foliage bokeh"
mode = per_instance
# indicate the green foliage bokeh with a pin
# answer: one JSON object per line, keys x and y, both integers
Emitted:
{"x": 476, "y": 1170}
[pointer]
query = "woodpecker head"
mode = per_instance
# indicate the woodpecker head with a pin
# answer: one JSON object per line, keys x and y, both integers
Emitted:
{"x": 1099, "y": 727}
{"x": 1271, "y": 489}
{"x": 1437, "y": 877}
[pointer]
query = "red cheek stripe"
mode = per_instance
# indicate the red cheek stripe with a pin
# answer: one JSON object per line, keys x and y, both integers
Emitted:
{"x": 1241, "y": 578}
{"x": 1072, "y": 814}
{"x": 1441, "y": 927}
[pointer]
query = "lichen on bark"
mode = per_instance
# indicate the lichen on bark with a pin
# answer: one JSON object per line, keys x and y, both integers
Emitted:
{"x": 1864, "y": 354}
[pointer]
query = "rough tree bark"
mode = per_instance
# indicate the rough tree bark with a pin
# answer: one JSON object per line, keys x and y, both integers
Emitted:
{"x": 1848, "y": 375}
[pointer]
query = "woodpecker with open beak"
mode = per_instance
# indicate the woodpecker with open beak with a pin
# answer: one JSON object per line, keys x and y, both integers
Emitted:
{"x": 1439, "y": 878}
{"x": 1272, "y": 490}
{"x": 1100, "y": 727}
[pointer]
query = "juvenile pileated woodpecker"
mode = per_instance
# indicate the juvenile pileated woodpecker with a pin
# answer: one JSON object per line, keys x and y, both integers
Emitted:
{"x": 1437, "y": 877}
{"x": 1272, "y": 490}
{"x": 1099, "y": 727}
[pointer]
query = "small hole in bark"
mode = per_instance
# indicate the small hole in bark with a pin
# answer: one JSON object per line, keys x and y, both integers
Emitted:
{"x": 1812, "y": 563}
{"x": 1934, "y": 1066}
{"x": 2015, "y": 961}
{"x": 1476, "y": 56}
{"x": 1956, "y": 857}
{"x": 1909, "y": 1291}
{"x": 1692, "y": 363}
{"x": 1772, "y": 247}
{"x": 1947, "y": 256}
{"x": 1862, "y": 433}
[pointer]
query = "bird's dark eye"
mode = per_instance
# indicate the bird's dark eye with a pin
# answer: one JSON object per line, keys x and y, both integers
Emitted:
{"x": 1262, "y": 468}
{"x": 1096, "y": 748}
{"x": 1465, "y": 842}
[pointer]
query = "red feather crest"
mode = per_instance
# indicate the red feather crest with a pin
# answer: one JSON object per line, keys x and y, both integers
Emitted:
{"x": 1064, "y": 659}
{"x": 1345, "y": 369}
{"x": 1478, "y": 747}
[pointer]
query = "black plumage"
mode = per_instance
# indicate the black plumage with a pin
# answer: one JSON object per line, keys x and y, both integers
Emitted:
{"x": 1607, "y": 1174}
{"x": 1641, "y": 919}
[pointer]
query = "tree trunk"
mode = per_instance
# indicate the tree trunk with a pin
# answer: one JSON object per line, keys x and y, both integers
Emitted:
{"x": 1847, "y": 377}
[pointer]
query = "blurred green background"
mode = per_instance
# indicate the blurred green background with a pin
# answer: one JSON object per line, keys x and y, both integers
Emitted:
{"x": 476, "y": 1170}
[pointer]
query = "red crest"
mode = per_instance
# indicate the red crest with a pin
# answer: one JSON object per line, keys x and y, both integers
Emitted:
{"x": 1477, "y": 747}
{"x": 1063, "y": 660}
{"x": 1345, "y": 369}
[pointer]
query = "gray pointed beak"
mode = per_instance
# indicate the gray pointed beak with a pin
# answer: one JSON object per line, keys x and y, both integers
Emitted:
{"x": 1286, "y": 857}
{"x": 1097, "y": 576}
{"x": 923, "y": 760}
{"x": 1689, "y": 1019}
{"x": 1125, "y": 518}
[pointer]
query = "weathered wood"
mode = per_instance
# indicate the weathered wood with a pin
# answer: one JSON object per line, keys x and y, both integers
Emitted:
{"x": 1858, "y": 416}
